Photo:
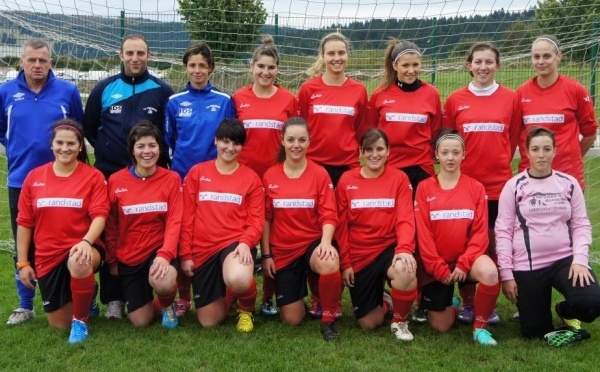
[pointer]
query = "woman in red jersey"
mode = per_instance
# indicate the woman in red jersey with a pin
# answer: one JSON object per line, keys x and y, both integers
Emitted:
{"x": 334, "y": 106}
{"x": 63, "y": 208}
{"x": 376, "y": 234}
{"x": 488, "y": 116}
{"x": 451, "y": 217}
{"x": 143, "y": 229}
{"x": 300, "y": 222}
{"x": 263, "y": 107}
{"x": 223, "y": 216}
{"x": 559, "y": 103}
{"x": 409, "y": 111}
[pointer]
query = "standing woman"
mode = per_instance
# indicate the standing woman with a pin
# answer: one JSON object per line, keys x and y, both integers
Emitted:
{"x": 191, "y": 119}
{"x": 376, "y": 234}
{"x": 143, "y": 229}
{"x": 334, "y": 106}
{"x": 263, "y": 107}
{"x": 451, "y": 216}
{"x": 223, "y": 216}
{"x": 488, "y": 116}
{"x": 409, "y": 111}
{"x": 561, "y": 104}
{"x": 544, "y": 237}
{"x": 63, "y": 207}
{"x": 300, "y": 222}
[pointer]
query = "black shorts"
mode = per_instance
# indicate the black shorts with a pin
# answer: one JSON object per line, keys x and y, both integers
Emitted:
{"x": 492, "y": 213}
{"x": 367, "y": 292}
{"x": 437, "y": 296}
{"x": 290, "y": 281}
{"x": 207, "y": 282}
{"x": 135, "y": 284}
{"x": 415, "y": 175}
{"x": 55, "y": 287}
{"x": 335, "y": 172}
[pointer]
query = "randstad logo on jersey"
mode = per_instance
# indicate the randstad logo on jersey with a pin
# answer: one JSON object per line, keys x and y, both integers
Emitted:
{"x": 59, "y": 202}
{"x": 483, "y": 127}
{"x": 145, "y": 208}
{"x": 116, "y": 109}
{"x": 293, "y": 203}
{"x": 263, "y": 124}
{"x": 185, "y": 112}
{"x": 544, "y": 119}
{"x": 406, "y": 117}
{"x": 452, "y": 214}
{"x": 337, "y": 110}
{"x": 316, "y": 95}
{"x": 150, "y": 110}
{"x": 213, "y": 108}
{"x": 19, "y": 96}
{"x": 219, "y": 197}
{"x": 372, "y": 203}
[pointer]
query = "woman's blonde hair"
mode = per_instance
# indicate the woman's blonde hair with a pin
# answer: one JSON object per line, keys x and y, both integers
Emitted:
{"x": 318, "y": 66}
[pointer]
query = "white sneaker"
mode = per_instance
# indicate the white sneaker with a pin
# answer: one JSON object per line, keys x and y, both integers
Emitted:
{"x": 115, "y": 310}
{"x": 401, "y": 331}
{"x": 20, "y": 315}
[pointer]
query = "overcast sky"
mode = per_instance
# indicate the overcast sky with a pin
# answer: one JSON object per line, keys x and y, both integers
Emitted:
{"x": 297, "y": 8}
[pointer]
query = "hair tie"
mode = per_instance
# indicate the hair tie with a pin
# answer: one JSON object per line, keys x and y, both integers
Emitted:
{"x": 407, "y": 51}
{"x": 547, "y": 39}
{"x": 450, "y": 136}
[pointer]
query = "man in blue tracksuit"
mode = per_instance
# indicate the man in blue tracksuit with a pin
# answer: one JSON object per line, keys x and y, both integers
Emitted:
{"x": 114, "y": 106}
{"x": 29, "y": 105}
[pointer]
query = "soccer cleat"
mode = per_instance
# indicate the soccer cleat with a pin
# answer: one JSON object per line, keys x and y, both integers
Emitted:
{"x": 169, "y": 317}
{"x": 245, "y": 321}
{"x": 466, "y": 314}
{"x": 115, "y": 310}
{"x": 267, "y": 308}
{"x": 456, "y": 303}
{"x": 20, "y": 315}
{"x": 315, "y": 310}
{"x": 94, "y": 309}
{"x": 419, "y": 315}
{"x": 516, "y": 316}
{"x": 387, "y": 299}
{"x": 181, "y": 307}
{"x": 79, "y": 332}
{"x": 494, "y": 318}
{"x": 329, "y": 332}
{"x": 564, "y": 337}
{"x": 483, "y": 337}
{"x": 338, "y": 312}
{"x": 401, "y": 331}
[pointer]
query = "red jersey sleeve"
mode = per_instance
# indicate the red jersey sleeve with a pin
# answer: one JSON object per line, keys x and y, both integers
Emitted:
{"x": 256, "y": 213}
{"x": 174, "y": 219}
{"x": 433, "y": 262}
{"x": 363, "y": 121}
{"x": 586, "y": 116}
{"x": 326, "y": 206}
{"x": 436, "y": 119}
{"x": 516, "y": 124}
{"x": 303, "y": 102}
{"x": 478, "y": 240}
{"x": 405, "y": 218}
{"x": 341, "y": 232}
{"x": 111, "y": 231}
{"x": 99, "y": 205}
{"x": 448, "y": 114}
{"x": 26, "y": 217}
{"x": 190, "y": 193}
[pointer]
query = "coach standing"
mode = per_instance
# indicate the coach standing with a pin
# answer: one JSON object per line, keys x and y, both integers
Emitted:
{"x": 114, "y": 106}
{"x": 29, "y": 105}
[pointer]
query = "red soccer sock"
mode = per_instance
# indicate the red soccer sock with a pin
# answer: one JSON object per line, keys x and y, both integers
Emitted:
{"x": 167, "y": 300}
{"x": 246, "y": 300}
{"x": 485, "y": 301}
{"x": 268, "y": 288}
{"x": 230, "y": 297}
{"x": 313, "y": 284}
{"x": 82, "y": 291}
{"x": 184, "y": 284}
{"x": 157, "y": 307}
{"x": 402, "y": 301}
{"x": 467, "y": 294}
{"x": 330, "y": 290}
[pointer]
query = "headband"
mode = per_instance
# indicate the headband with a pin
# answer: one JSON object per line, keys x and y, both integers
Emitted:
{"x": 450, "y": 136}
{"x": 68, "y": 127}
{"x": 406, "y": 51}
{"x": 547, "y": 39}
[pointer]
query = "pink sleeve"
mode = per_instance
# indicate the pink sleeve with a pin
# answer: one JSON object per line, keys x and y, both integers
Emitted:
{"x": 580, "y": 227}
{"x": 504, "y": 231}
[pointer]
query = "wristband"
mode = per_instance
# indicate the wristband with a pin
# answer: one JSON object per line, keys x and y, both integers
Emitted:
{"x": 87, "y": 241}
{"x": 265, "y": 256}
{"x": 23, "y": 264}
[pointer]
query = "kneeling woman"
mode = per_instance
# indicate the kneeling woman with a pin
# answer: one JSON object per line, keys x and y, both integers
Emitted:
{"x": 300, "y": 222}
{"x": 452, "y": 230}
{"x": 63, "y": 207}
{"x": 223, "y": 217}
{"x": 543, "y": 239}
{"x": 143, "y": 229}
{"x": 376, "y": 236}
